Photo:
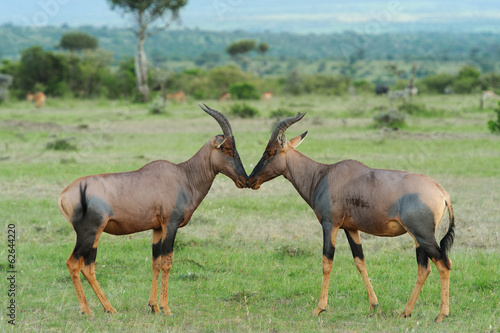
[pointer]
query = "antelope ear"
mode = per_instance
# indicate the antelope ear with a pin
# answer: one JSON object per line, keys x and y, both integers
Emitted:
{"x": 281, "y": 140}
{"x": 295, "y": 142}
{"x": 219, "y": 140}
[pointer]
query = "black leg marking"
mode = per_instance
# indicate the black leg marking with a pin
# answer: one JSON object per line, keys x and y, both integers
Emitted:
{"x": 356, "y": 249}
{"x": 167, "y": 245}
{"x": 422, "y": 257}
{"x": 157, "y": 249}
{"x": 328, "y": 248}
{"x": 90, "y": 259}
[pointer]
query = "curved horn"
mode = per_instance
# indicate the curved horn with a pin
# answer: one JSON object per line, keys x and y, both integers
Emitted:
{"x": 284, "y": 124}
{"x": 221, "y": 119}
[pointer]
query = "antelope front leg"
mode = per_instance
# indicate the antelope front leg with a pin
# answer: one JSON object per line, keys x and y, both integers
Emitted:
{"x": 153, "y": 302}
{"x": 165, "y": 271}
{"x": 323, "y": 298}
{"x": 329, "y": 236}
{"x": 167, "y": 256}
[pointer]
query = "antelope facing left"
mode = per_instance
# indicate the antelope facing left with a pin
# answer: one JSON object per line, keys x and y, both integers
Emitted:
{"x": 351, "y": 196}
{"x": 161, "y": 196}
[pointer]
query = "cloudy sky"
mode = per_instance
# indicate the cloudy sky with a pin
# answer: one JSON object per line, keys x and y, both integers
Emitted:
{"x": 277, "y": 15}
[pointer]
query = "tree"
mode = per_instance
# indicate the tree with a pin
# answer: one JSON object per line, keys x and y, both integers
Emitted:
{"x": 78, "y": 41}
{"x": 239, "y": 51}
{"x": 145, "y": 13}
{"x": 240, "y": 48}
{"x": 42, "y": 68}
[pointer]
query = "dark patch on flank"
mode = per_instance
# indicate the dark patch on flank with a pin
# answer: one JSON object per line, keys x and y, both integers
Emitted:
{"x": 410, "y": 205}
{"x": 358, "y": 202}
{"x": 321, "y": 200}
{"x": 372, "y": 176}
{"x": 356, "y": 249}
{"x": 422, "y": 258}
{"x": 418, "y": 219}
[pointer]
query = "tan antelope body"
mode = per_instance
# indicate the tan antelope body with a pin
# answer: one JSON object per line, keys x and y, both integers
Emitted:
{"x": 267, "y": 96}
{"x": 39, "y": 98}
{"x": 351, "y": 196}
{"x": 225, "y": 97}
{"x": 177, "y": 97}
{"x": 161, "y": 196}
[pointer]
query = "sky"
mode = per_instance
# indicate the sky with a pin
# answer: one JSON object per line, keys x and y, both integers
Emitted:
{"x": 298, "y": 16}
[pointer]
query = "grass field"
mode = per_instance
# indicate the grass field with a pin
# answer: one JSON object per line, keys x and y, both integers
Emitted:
{"x": 248, "y": 261}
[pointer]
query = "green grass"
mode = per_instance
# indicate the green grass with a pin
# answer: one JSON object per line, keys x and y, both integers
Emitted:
{"x": 249, "y": 261}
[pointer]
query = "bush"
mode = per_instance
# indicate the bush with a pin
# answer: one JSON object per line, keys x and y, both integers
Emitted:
{"x": 281, "y": 114}
{"x": 437, "y": 83}
{"x": 327, "y": 84}
{"x": 243, "y": 90}
{"x": 244, "y": 111}
{"x": 467, "y": 80}
{"x": 493, "y": 125}
{"x": 392, "y": 118}
{"x": 61, "y": 144}
{"x": 466, "y": 85}
{"x": 363, "y": 86}
{"x": 157, "y": 106}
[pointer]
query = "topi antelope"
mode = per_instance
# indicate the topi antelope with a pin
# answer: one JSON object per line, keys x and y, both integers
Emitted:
{"x": 177, "y": 97}
{"x": 267, "y": 96}
{"x": 40, "y": 99}
{"x": 351, "y": 196}
{"x": 161, "y": 196}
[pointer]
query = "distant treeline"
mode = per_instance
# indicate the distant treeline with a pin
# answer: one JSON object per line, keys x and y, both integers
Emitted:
{"x": 196, "y": 62}
{"x": 91, "y": 73}
{"x": 480, "y": 49}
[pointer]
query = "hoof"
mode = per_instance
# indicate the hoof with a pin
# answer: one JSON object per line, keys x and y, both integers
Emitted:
{"x": 167, "y": 311}
{"x": 154, "y": 308}
{"x": 317, "y": 311}
{"x": 404, "y": 314}
{"x": 373, "y": 306}
{"x": 440, "y": 318}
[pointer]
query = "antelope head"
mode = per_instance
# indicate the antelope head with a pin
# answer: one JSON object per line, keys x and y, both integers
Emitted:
{"x": 224, "y": 157}
{"x": 273, "y": 162}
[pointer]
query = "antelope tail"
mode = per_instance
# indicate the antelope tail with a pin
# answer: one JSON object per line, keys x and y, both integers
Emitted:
{"x": 447, "y": 240}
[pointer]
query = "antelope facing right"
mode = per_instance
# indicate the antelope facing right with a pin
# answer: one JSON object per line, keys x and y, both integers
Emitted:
{"x": 161, "y": 196}
{"x": 351, "y": 196}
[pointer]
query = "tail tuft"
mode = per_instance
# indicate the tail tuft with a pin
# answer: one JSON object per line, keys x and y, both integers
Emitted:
{"x": 448, "y": 239}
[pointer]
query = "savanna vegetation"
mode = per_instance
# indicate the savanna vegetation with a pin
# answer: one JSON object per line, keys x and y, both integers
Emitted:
{"x": 248, "y": 261}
